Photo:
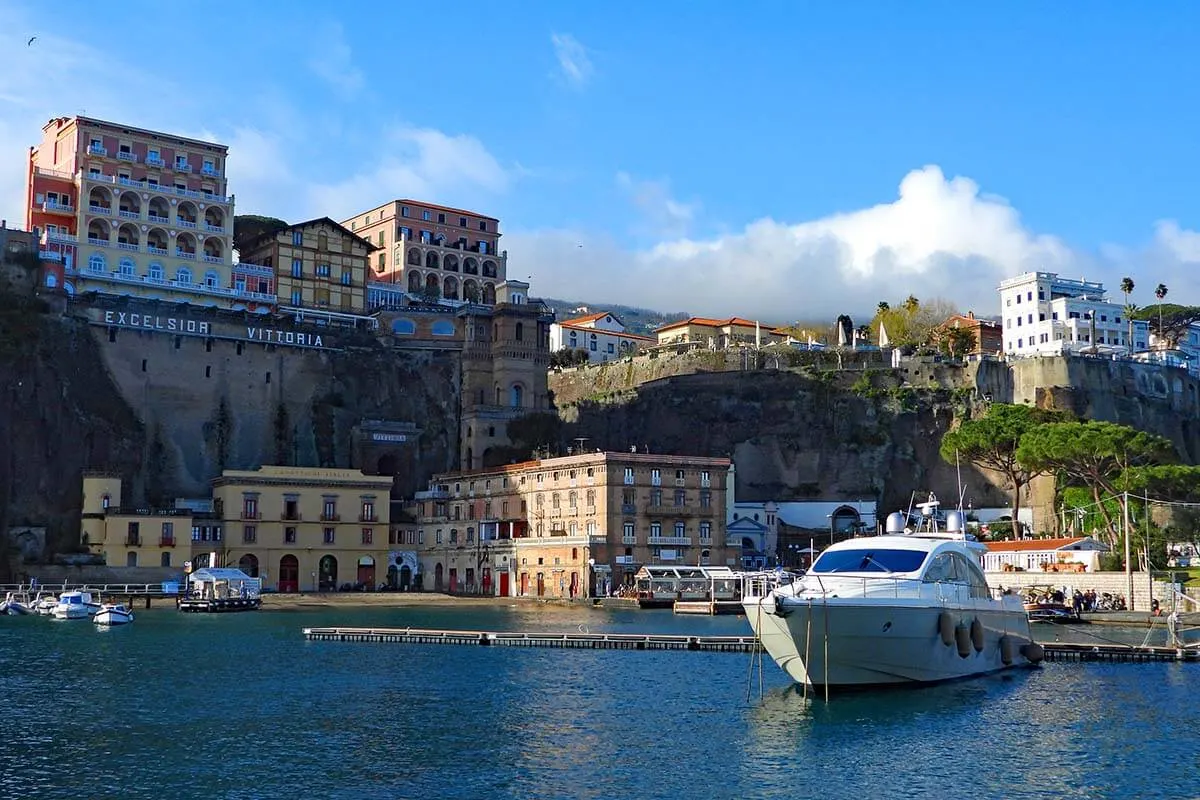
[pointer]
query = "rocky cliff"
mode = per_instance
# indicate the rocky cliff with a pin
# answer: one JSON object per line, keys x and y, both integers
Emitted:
{"x": 869, "y": 431}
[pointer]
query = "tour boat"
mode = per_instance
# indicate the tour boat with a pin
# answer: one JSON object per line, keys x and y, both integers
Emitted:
{"x": 75, "y": 605}
{"x": 904, "y": 608}
{"x": 113, "y": 614}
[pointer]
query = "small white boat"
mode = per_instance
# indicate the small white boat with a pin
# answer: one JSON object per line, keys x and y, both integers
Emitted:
{"x": 14, "y": 607}
{"x": 44, "y": 604}
{"x": 75, "y": 605}
{"x": 113, "y": 614}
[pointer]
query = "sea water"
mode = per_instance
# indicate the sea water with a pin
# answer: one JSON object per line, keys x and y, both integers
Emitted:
{"x": 241, "y": 706}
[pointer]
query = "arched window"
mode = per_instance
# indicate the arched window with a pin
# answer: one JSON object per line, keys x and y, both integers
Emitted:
{"x": 442, "y": 327}
{"x": 212, "y": 279}
{"x": 591, "y": 497}
{"x": 156, "y": 271}
{"x": 184, "y": 276}
{"x": 51, "y": 280}
{"x": 516, "y": 395}
{"x": 404, "y": 327}
{"x": 573, "y": 500}
{"x": 127, "y": 267}
{"x": 96, "y": 262}
{"x": 520, "y": 331}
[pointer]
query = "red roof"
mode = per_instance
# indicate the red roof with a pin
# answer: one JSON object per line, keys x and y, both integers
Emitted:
{"x": 588, "y": 318}
{"x": 1033, "y": 545}
{"x": 716, "y": 323}
{"x": 622, "y": 334}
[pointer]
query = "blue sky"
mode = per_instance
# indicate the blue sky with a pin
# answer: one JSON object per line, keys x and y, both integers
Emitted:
{"x": 776, "y": 159}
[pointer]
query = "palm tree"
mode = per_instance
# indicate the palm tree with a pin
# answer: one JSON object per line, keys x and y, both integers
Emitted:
{"x": 911, "y": 304}
{"x": 1127, "y": 289}
{"x": 1160, "y": 292}
{"x": 883, "y": 306}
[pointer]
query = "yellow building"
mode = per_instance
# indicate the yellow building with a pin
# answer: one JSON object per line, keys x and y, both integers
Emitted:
{"x": 132, "y": 537}
{"x": 318, "y": 265}
{"x": 572, "y": 526}
{"x": 138, "y": 212}
{"x": 719, "y": 333}
{"x": 305, "y": 529}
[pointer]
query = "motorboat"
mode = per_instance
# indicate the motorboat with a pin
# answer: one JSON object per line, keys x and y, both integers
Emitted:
{"x": 14, "y": 606}
{"x": 113, "y": 614}
{"x": 75, "y": 605}
{"x": 909, "y": 607}
{"x": 1050, "y": 606}
{"x": 44, "y": 604}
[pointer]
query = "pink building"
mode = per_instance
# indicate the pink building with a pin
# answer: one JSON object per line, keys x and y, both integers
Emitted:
{"x": 139, "y": 212}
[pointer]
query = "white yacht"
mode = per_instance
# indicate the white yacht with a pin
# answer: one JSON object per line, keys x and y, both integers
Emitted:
{"x": 75, "y": 605}
{"x": 901, "y": 608}
{"x": 113, "y": 614}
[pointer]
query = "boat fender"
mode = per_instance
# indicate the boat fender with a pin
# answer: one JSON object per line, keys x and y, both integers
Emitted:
{"x": 1034, "y": 652}
{"x": 962, "y": 637}
{"x": 946, "y": 628}
{"x": 977, "y": 635}
{"x": 1008, "y": 649}
{"x": 781, "y": 610}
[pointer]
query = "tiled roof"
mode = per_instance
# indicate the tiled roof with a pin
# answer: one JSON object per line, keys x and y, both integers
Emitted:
{"x": 717, "y": 323}
{"x": 622, "y": 334}
{"x": 1032, "y": 545}
{"x": 587, "y": 318}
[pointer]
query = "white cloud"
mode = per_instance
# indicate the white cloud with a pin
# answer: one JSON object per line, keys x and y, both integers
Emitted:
{"x": 573, "y": 62}
{"x": 659, "y": 213}
{"x": 939, "y": 238}
{"x": 332, "y": 61}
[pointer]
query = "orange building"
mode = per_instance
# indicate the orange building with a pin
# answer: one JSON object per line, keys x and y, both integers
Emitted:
{"x": 720, "y": 333}
{"x": 989, "y": 336}
{"x": 434, "y": 251}
{"x": 138, "y": 212}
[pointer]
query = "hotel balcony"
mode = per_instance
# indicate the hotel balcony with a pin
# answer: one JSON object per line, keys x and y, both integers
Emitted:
{"x": 628, "y": 540}
{"x": 54, "y": 207}
{"x": 130, "y": 246}
{"x": 253, "y": 269}
{"x": 166, "y": 541}
{"x": 133, "y": 540}
{"x": 331, "y": 518}
{"x": 124, "y": 155}
{"x": 59, "y": 236}
{"x": 172, "y": 285}
{"x": 628, "y": 508}
{"x": 214, "y": 228}
{"x": 161, "y": 188}
{"x": 210, "y": 171}
{"x": 680, "y": 541}
{"x": 154, "y": 161}
{"x": 251, "y": 514}
{"x": 97, "y": 150}
{"x": 180, "y": 166}
{"x": 157, "y": 251}
{"x": 597, "y": 538}
{"x": 368, "y": 518}
{"x": 185, "y": 254}
{"x": 98, "y": 209}
{"x": 212, "y": 259}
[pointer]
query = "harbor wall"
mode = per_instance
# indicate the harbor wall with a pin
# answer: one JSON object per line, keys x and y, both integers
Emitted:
{"x": 1100, "y": 582}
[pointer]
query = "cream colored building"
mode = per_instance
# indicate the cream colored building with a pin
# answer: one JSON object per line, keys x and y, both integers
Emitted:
{"x": 140, "y": 212}
{"x": 434, "y": 251}
{"x": 132, "y": 537}
{"x": 317, "y": 264}
{"x": 571, "y": 526}
{"x": 719, "y": 333}
{"x": 304, "y": 528}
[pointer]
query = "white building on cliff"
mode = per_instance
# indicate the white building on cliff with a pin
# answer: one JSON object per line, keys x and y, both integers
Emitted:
{"x": 1044, "y": 314}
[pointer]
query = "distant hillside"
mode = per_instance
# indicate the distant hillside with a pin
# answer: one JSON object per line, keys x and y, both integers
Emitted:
{"x": 637, "y": 320}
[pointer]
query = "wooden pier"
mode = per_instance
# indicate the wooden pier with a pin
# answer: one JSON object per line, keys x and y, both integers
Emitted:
{"x": 1055, "y": 651}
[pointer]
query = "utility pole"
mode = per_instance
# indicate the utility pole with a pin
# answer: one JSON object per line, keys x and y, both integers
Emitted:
{"x": 1128, "y": 565}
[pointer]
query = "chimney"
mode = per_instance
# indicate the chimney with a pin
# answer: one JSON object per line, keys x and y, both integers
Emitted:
{"x": 970, "y": 315}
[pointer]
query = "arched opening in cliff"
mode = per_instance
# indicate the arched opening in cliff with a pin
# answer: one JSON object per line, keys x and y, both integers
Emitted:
{"x": 845, "y": 521}
{"x": 386, "y": 465}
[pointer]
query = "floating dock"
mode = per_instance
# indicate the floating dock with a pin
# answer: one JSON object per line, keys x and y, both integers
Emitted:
{"x": 1055, "y": 651}
{"x": 708, "y": 607}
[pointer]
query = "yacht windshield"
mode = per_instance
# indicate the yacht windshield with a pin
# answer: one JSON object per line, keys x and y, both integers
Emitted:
{"x": 886, "y": 561}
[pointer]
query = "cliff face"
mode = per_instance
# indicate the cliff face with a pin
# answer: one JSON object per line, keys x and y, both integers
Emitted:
{"x": 168, "y": 413}
{"x": 847, "y": 434}
{"x": 60, "y": 414}
{"x": 793, "y": 437}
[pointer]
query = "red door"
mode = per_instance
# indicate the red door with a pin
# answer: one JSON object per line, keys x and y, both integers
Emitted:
{"x": 541, "y": 585}
{"x": 366, "y": 575}
{"x": 504, "y": 584}
{"x": 289, "y": 575}
{"x": 524, "y": 583}
{"x": 453, "y": 579}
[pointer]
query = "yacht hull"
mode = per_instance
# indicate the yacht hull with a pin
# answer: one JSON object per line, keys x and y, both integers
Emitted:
{"x": 113, "y": 616}
{"x": 844, "y": 643}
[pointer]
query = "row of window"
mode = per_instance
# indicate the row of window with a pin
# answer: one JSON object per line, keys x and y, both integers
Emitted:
{"x": 329, "y": 535}
{"x": 153, "y": 156}
{"x": 1114, "y": 339}
{"x": 1054, "y": 317}
{"x": 291, "y": 508}
{"x": 575, "y": 474}
{"x": 127, "y": 268}
{"x": 322, "y": 271}
{"x": 426, "y": 216}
